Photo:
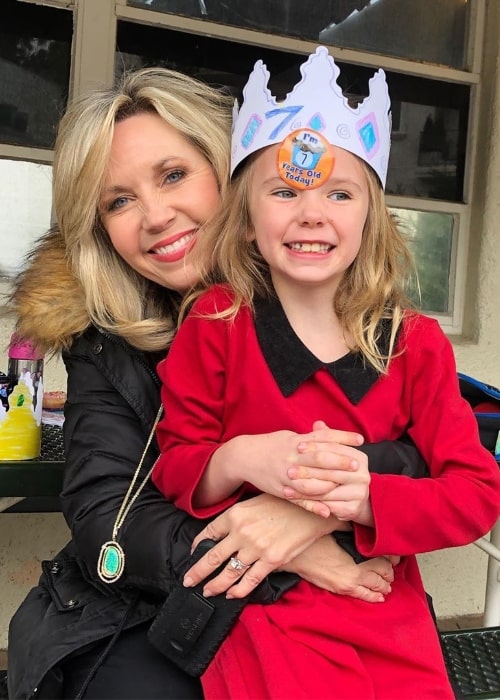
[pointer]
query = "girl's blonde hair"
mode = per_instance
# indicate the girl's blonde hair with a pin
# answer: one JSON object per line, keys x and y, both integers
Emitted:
{"x": 117, "y": 298}
{"x": 371, "y": 291}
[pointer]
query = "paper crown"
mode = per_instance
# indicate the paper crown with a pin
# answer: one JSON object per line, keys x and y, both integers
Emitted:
{"x": 316, "y": 103}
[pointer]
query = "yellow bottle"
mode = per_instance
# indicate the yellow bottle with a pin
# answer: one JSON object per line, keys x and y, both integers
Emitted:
{"x": 21, "y": 421}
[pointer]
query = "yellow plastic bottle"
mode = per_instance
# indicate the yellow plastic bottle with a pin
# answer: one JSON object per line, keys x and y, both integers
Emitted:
{"x": 21, "y": 421}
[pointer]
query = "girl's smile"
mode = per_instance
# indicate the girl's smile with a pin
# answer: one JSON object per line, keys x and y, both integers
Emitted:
{"x": 316, "y": 247}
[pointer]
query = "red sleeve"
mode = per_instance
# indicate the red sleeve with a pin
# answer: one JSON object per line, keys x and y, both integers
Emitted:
{"x": 461, "y": 500}
{"x": 193, "y": 389}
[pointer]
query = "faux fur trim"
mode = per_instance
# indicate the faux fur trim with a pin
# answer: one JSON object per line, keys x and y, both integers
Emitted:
{"x": 47, "y": 299}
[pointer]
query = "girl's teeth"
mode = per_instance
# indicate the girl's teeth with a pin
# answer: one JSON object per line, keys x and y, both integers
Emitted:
{"x": 311, "y": 247}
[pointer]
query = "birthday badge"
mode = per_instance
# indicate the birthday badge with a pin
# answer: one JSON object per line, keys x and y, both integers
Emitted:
{"x": 305, "y": 159}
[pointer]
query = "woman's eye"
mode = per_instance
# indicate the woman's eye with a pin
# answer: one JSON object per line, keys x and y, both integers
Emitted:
{"x": 174, "y": 176}
{"x": 117, "y": 203}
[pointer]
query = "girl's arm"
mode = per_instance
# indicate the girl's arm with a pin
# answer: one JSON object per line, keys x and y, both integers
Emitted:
{"x": 275, "y": 459}
{"x": 460, "y": 501}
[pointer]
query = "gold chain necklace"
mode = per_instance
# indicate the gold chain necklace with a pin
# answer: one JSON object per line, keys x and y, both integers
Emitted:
{"x": 112, "y": 557}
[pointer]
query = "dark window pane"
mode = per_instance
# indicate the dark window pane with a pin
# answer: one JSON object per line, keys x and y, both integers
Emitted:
{"x": 421, "y": 30}
{"x": 35, "y": 54}
{"x": 429, "y": 116}
{"x": 203, "y": 57}
{"x": 429, "y": 132}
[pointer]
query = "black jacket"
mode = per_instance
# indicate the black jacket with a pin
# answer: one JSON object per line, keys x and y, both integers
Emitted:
{"x": 113, "y": 397}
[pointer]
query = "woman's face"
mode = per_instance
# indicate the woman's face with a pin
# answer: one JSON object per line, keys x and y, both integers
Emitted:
{"x": 158, "y": 192}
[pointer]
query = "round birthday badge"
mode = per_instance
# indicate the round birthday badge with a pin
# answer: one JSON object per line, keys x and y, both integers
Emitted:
{"x": 305, "y": 159}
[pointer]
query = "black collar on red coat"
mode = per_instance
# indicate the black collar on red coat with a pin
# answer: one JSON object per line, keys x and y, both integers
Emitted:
{"x": 291, "y": 363}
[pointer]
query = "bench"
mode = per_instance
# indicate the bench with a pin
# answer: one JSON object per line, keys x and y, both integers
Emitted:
{"x": 472, "y": 656}
{"x": 473, "y": 661}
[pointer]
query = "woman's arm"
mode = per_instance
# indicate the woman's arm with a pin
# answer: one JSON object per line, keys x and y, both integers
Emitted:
{"x": 105, "y": 434}
{"x": 328, "y": 566}
{"x": 276, "y": 536}
{"x": 264, "y": 531}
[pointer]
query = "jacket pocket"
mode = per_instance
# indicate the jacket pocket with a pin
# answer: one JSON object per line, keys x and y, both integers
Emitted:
{"x": 60, "y": 577}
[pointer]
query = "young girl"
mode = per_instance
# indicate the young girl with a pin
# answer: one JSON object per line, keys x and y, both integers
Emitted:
{"x": 311, "y": 327}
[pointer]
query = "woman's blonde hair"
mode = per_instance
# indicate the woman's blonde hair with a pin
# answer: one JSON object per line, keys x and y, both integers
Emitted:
{"x": 117, "y": 298}
{"x": 371, "y": 291}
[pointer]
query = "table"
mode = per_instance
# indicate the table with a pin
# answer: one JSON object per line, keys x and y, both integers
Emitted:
{"x": 34, "y": 485}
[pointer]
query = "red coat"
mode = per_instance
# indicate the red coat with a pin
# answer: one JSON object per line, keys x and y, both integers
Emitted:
{"x": 226, "y": 378}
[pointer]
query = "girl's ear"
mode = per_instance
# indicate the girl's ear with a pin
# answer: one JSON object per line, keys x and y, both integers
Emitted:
{"x": 250, "y": 235}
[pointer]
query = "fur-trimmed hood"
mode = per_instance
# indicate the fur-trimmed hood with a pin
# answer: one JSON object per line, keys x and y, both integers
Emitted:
{"x": 47, "y": 298}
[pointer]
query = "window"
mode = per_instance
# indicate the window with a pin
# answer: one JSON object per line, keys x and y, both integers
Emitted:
{"x": 430, "y": 51}
{"x": 427, "y": 157}
{"x": 430, "y": 235}
{"x": 25, "y": 206}
{"x": 35, "y": 52}
{"x": 427, "y": 30}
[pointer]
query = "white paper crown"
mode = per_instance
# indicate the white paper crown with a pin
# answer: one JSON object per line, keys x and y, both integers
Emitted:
{"x": 316, "y": 102}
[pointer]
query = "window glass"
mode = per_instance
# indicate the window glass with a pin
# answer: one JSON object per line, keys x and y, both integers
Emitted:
{"x": 430, "y": 236}
{"x": 201, "y": 56}
{"x": 429, "y": 132}
{"x": 423, "y": 30}
{"x": 25, "y": 210}
{"x": 429, "y": 116}
{"x": 35, "y": 53}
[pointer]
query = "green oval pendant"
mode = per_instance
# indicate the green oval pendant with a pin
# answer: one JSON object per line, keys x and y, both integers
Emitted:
{"x": 111, "y": 562}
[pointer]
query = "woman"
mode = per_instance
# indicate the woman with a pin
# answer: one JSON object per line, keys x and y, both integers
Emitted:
{"x": 138, "y": 170}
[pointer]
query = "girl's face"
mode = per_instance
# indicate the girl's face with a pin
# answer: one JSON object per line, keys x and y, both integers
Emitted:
{"x": 308, "y": 237}
{"x": 158, "y": 192}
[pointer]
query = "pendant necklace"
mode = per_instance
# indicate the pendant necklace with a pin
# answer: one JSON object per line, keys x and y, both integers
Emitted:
{"x": 112, "y": 557}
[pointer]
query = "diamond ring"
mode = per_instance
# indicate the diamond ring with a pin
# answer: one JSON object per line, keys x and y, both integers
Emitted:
{"x": 237, "y": 564}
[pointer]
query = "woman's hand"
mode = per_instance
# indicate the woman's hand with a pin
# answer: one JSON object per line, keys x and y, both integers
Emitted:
{"x": 265, "y": 533}
{"x": 340, "y": 485}
{"x": 328, "y": 566}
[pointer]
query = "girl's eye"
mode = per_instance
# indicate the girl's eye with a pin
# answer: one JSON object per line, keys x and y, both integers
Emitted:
{"x": 284, "y": 194}
{"x": 174, "y": 176}
{"x": 339, "y": 196}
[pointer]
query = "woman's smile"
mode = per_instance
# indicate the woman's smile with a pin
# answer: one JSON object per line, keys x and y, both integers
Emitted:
{"x": 176, "y": 247}
{"x": 159, "y": 191}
